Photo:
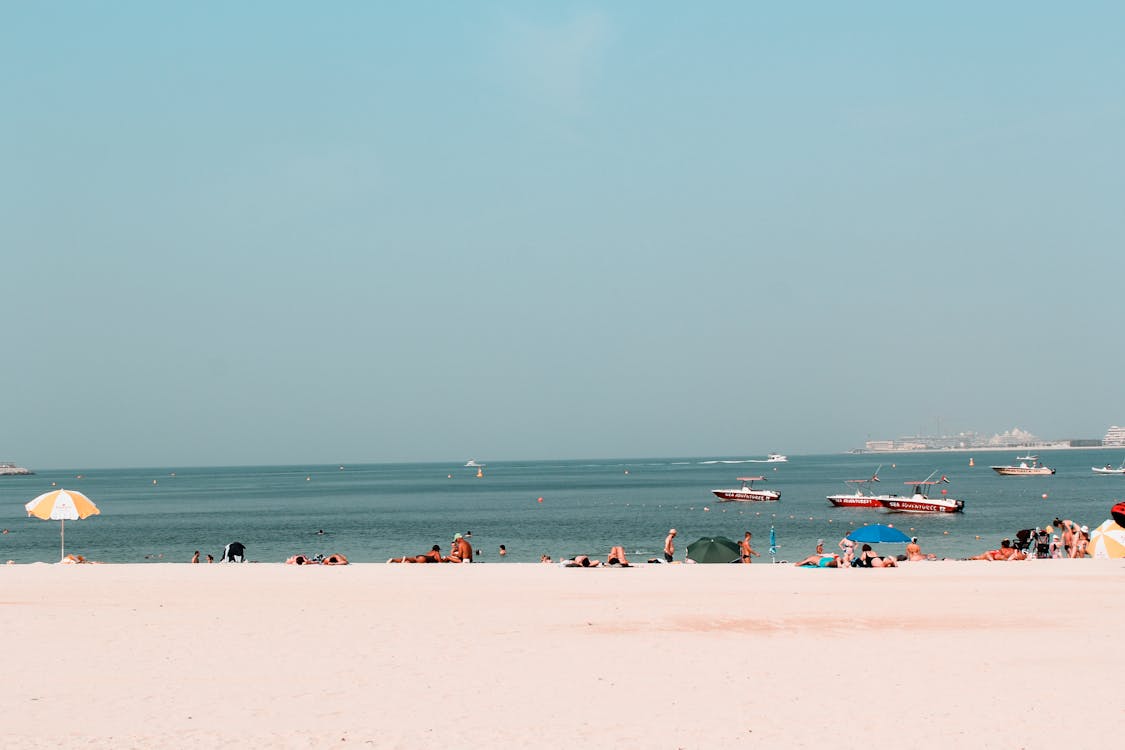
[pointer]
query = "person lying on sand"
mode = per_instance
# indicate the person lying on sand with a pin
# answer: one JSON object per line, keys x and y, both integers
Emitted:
{"x": 823, "y": 560}
{"x": 1006, "y": 552}
{"x": 617, "y": 557}
{"x": 581, "y": 561}
{"x": 433, "y": 556}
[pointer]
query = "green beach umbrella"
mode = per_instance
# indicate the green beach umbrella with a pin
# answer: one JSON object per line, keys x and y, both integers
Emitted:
{"x": 713, "y": 549}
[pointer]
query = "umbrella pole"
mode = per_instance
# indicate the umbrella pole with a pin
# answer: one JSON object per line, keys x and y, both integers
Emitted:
{"x": 62, "y": 539}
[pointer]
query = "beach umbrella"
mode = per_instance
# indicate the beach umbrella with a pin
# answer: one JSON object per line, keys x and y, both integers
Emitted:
{"x": 773, "y": 545}
{"x": 877, "y": 532}
{"x": 63, "y": 506}
{"x": 1108, "y": 540}
{"x": 713, "y": 549}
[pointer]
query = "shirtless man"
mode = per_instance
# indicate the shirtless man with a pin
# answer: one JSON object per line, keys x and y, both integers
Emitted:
{"x": 913, "y": 551}
{"x": 745, "y": 550}
{"x": 461, "y": 551}
{"x": 669, "y": 545}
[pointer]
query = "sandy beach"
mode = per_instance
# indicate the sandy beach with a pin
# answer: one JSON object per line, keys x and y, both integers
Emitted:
{"x": 934, "y": 654}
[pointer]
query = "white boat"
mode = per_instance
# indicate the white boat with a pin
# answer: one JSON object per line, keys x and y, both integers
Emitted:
{"x": 920, "y": 502}
{"x": 746, "y": 493}
{"x": 1108, "y": 469}
{"x": 1029, "y": 466}
{"x": 859, "y": 498}
{"x": 472, "y": 464}
{"x": 9, "y": 469}
{"x": 772, "y": 458}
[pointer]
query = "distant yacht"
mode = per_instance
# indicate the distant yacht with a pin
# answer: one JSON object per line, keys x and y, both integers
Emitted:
{"x": 9, "y": 469}
{"x": 1029, "y": 466}
{"x": 772, "y": 458}
{"x": 472, "y": 464}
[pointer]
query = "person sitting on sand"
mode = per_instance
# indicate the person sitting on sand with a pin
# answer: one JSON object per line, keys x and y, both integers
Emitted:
{"x": 867, "y": 557}
{"x": 460, "y": 551}
{"x": 195, "y": 557}
{"x": 544, "y": 558}
{"x": 617, "y": 557}
{"x": 847, "y": 546}
{"x": 433, "y": 556}
{"x": 913, "y": 551}
{"x": 581, "y": 561}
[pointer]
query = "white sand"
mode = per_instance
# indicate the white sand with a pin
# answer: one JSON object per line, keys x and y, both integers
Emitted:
{"x": 950, "y": 655}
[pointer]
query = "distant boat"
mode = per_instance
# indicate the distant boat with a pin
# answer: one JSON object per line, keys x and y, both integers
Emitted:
{"x": 1107, "y": 469}
{"x": 472, "y": 464}
{"x": 772, "y": 458}
{"x": 746, "y": 493}
{"x": 9, "y": 469}
{"x": 1029, "y": 466}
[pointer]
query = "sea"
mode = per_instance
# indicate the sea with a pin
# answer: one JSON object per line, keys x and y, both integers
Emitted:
{"x": 373, "y": 512}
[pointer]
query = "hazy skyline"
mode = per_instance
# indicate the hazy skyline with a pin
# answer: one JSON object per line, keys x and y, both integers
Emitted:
{"x": 271, "y": 233}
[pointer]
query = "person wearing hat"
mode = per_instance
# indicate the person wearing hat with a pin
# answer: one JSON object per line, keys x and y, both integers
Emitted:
{"x": 670, "y": 545}
{"x": 461, "y": 550}
{"x": 1081, "y": 539}
{"x": 914, "y": 551}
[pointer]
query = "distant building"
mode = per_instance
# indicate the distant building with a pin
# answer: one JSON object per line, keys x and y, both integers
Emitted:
{"x": 1114, "y": 436}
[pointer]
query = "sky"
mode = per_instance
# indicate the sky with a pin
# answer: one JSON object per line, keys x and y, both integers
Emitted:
{"x": 283, "y": 232}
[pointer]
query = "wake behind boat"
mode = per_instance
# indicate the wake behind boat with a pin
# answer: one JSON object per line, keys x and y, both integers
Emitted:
{"x": 772, "y": 458}
{"x": 1029, "y": 466}
{"x": 746, "y": 493}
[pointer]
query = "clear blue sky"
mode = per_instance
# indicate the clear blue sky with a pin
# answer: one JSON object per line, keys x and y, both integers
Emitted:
{"x": 272, "y": 232}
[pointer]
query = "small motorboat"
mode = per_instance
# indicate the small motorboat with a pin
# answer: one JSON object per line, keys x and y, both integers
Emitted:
{"x": 1029, "y": 466}
{"x": 746, "y": 493}
{"x": 1108, "y": 469}
{"x": 920, "y": 502}
{"x": 859, "y": 498}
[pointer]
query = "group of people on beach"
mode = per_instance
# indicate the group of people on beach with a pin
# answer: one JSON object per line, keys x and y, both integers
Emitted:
{"x": 1042, "y": 543}
{"x": 460, "y": 551}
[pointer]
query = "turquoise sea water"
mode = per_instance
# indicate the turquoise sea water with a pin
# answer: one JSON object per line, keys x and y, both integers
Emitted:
{"x": 373, "y": 512}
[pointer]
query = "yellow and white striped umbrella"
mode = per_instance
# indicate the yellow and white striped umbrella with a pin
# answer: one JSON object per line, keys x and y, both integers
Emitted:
{"x": 1108, "y": 540}
{"x": 63, "y": 506}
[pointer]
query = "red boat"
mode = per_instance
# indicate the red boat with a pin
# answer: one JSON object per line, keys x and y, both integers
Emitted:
{"x": 859, "y": 498}
{"x": 746, "y": 493}
{"x": 920, "y": 502}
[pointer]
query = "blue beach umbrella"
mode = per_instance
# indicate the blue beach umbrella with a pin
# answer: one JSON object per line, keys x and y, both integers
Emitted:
{"x": 876, "y": 533}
